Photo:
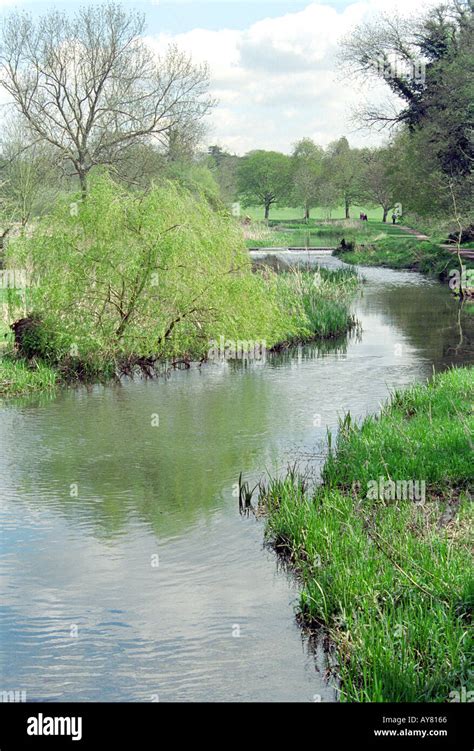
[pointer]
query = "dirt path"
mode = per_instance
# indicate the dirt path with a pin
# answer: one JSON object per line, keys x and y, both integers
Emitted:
{"x": 465, "y": 252}
{"x": 414, "y": 232}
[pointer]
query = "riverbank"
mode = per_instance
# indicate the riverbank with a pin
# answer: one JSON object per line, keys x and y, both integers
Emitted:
{"x": 130, "y": 281}
{"x": 382, "y": 547}
{"x": 130, "y": 494}
{"x": 405, "y": 253}
{"x": 304, "y": 306}
{"x": 317, "y": 233}
{"x": 366, "y": 244}
{"x": 18, "y": 377}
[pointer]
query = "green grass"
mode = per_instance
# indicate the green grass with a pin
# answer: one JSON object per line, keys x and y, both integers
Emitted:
{"x": 405, "y": 253}
{"x": 5, "y": 334}
{"x": 292, "y": 233}
{"x": 390, "y": 579}
{"x": 376, "y": 243}
{"x": 283, "y": 212}
{"x": 424, "y": 433}
{"x": 18, "y": 378}
{"x": 438, "y": 227}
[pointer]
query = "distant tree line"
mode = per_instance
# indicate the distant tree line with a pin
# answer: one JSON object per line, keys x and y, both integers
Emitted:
{"x": 87, "y": 94}
{"x": 308, "y": 178}
{"x": 427, "y": 160}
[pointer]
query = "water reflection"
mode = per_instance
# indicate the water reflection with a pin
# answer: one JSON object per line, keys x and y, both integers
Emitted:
{"x": 130, "y": 532}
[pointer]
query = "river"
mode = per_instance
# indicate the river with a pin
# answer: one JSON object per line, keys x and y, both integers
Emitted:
{"x": 127, "y": 572}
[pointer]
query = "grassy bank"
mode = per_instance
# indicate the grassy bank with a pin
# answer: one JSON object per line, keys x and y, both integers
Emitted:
{"x": 319, "y": 300}
{"x": 277, "y": 309}
{"x": 390, "y": 578}
{"x": 373, "y": 243}
{"x": 18, "y": 377}
{"x": 293, "y": 233}
{"x": 403, "y": 253}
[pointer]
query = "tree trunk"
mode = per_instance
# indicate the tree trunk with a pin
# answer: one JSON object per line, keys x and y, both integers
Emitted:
{"x": 267, "y": 210}
{"x": 385, "y": 214}
{"x": 306, "y": 214}
{"x": 347, "y": 205}
{"x": 82, "y": 174}
{"x": 3, "y": 238}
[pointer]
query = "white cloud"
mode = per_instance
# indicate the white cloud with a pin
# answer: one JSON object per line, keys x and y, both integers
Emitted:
{"x": 278, "y": 80}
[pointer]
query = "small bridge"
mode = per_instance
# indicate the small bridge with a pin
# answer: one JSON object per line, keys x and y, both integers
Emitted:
{"x": 464, "y": 252}
{"x": 317, "y": 251}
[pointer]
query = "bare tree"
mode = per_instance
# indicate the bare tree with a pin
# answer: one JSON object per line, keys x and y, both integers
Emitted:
{"x": 412, "y": 55}
{"x": 29, "y": 174}
{"x": 385, "y": 49}
{"x": 91, "y": 87}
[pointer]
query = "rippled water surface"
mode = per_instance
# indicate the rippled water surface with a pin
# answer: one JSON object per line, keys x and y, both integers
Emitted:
{"x": 127, "y": 572}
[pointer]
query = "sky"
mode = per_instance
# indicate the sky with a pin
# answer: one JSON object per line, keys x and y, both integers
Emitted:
{"x": 273, "y": 65}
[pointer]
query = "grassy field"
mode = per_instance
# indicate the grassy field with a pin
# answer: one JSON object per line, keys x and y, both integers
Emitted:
{"x": 389, "y": 575}
{"x": 284, "y": 213}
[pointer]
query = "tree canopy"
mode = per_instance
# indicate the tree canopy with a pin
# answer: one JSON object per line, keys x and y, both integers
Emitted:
{"x": 264, "y": 178}
{"x": 307, "y": 169}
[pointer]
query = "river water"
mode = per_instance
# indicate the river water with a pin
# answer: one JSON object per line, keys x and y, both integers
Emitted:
{"x": 127, "y": 572}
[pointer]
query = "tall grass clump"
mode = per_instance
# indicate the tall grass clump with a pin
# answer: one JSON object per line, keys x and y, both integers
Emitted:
{"x": 18, "y": 377}
{"x": 324, "y": 297}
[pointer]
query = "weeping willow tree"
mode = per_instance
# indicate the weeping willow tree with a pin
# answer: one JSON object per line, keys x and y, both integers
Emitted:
{"x": 148, "y": 274}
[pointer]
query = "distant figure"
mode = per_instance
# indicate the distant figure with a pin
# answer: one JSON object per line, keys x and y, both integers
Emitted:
{"x": 361, "y": 216}
{"x": 394, "y": 218}
{"x": 365, "y": 218}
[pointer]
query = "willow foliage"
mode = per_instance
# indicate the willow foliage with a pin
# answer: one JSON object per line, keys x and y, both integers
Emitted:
{"x": 159, "y": 273}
